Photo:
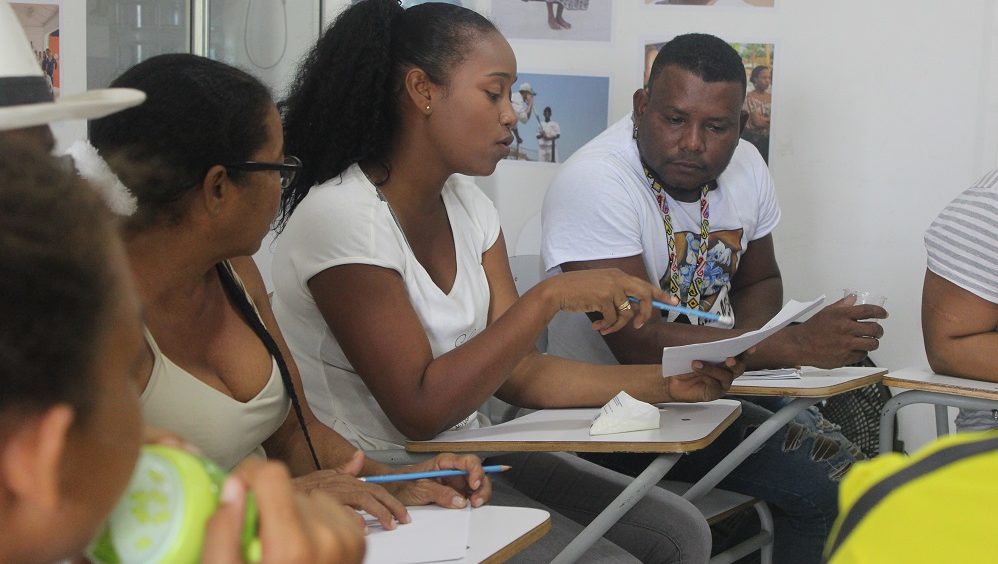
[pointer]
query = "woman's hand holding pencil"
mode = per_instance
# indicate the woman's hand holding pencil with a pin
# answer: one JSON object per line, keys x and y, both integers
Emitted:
{"x": 605, "y": 291}
{"x": 431, "y": 474}
{"x": 454, "y": 491}
{"x": 726, "y": 319}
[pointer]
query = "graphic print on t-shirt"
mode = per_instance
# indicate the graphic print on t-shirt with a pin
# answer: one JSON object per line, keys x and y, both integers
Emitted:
{"x": 723, "y": 248}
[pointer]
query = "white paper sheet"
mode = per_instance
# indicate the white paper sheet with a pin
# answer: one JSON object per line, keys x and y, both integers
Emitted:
{"x": 677, "y": 360}
{"x": 435, "y": 534}
{"x": 623, "y": 414}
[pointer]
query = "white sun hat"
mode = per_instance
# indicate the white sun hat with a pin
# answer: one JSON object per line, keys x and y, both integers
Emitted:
{"x": 25, "y": 95}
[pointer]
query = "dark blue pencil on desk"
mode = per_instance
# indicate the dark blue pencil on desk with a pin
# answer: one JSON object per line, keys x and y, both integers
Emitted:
{"x": 430, "y": 474}
{"x": 680, "y": 309}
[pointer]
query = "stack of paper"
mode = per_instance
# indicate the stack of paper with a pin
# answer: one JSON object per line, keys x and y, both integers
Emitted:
{"x": 677, "y": 360}
{"x": 777, "y": 374}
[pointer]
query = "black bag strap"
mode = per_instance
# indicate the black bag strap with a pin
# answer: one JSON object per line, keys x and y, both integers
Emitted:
{"x": 242, "y": 301}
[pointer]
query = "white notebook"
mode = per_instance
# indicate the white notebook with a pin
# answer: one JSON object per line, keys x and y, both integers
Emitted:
{"x": 435, "y": 534}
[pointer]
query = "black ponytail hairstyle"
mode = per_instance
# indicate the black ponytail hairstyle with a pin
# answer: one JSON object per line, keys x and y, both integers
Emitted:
{"x": 343, "y": 105}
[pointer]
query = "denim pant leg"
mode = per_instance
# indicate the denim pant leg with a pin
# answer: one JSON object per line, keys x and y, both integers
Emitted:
{"x": 662, "y": 527}
{"x": 562, "y": 531}
{"x": 796, "y": 471}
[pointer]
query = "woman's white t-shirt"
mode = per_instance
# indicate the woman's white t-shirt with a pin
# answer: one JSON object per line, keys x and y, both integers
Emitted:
{"x": 343, "y": 221}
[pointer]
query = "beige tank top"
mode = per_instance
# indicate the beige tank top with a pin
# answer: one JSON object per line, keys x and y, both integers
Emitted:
{"x": 225, "y": 429}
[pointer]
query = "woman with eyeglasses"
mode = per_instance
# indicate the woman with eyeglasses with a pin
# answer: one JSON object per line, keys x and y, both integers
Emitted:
{"x": 204, "y": 158}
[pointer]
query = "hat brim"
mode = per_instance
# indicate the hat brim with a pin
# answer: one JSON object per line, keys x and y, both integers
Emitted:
{"x": 92, "y": 104}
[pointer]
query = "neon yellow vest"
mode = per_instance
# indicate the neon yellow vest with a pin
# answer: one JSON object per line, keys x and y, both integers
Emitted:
{"x": 937, "y": 505}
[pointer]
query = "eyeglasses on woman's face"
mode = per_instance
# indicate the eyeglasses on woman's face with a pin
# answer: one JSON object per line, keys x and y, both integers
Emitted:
{"x": 288, "y": 169}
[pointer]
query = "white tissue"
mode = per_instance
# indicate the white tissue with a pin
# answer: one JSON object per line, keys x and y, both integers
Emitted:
{"x": 624, "y": 413}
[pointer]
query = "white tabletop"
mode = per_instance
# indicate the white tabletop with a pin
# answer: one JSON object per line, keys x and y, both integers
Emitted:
{"x": 683, "y": 427}
{"x": 925, "y": 379}
{"x": 814, "y": 382}
{"x": 492, "y": 533}
{"x": 504, "y": 531}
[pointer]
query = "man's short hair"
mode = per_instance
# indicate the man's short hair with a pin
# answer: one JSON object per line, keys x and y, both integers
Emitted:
{"x": 706, "y": 56}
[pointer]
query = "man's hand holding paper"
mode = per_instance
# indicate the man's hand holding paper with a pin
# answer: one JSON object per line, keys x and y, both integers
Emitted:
{"x": 677, "y": 360}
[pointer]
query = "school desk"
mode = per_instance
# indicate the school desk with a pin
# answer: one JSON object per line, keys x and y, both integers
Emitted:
{"x": 921, "y": 385}
{"x": 814, "y": 385}
{"x": 684, "y": 427}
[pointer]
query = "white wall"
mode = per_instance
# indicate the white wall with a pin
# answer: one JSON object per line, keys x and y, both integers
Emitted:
{"x": 266, "y": 49}
{"x": 72, "y": 66}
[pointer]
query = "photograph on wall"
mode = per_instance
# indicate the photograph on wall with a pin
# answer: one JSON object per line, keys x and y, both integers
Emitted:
{"x": 40, "y": 21}
{"x": 758, "y": 61}
{"x": 556, "y": 114}
{"x": 718, "y": 3}
{"x": 576, "y": 20}
{"x": 411, "y": 3}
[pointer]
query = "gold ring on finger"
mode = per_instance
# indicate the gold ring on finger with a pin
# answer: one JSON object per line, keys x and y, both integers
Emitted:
{"x": 624, "y": 306}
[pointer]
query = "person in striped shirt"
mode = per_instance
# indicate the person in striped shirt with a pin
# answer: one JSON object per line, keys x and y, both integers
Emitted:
{"x": 960, "y": 294}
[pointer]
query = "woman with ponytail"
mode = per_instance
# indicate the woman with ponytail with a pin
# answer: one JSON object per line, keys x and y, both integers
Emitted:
{"x": 392, "y": 282}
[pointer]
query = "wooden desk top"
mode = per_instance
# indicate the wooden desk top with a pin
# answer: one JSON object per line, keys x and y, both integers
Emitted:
{"x": 924, "y": 379}
{"x": 814, "y": 383}
{"x": 683, "y": 427}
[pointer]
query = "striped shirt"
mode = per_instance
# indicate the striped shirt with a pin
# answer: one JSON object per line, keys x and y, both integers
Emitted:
{"x": 962, "y": 243}
{"x": 962, "y": 247}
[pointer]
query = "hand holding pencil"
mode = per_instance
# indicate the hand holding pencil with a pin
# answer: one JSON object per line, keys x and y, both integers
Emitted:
{"x": 726, "y": 319}
{"x": 431, "y": 474}
{"x": 602, "y": 291}
{"x": 469, "y": 484}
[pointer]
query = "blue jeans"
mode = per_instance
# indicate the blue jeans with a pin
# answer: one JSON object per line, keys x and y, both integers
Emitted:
{"x": 661, "y": 528}
{"x": 796, "y": 471}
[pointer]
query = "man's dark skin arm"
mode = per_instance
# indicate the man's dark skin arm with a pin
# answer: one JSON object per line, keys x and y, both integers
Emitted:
{"x": 757, "y": 287}
{"x": 833, "y": 337}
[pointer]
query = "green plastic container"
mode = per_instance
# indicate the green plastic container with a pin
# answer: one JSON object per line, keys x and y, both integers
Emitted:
{"x": 161, "y": 517}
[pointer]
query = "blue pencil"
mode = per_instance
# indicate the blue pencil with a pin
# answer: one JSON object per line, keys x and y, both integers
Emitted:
{"x": 431, "y": 474}
{"x": 680, "y": 309}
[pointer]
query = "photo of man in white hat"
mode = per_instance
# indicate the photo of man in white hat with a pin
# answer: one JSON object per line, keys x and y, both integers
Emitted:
{"x": 27, "y": 104}
{"x": 524, "y": 108}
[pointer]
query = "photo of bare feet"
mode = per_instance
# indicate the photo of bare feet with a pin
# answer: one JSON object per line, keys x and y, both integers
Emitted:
{"x": 719, "y": 3}
{"x": 556, "y": 11}
{"x": 577, "y": 20}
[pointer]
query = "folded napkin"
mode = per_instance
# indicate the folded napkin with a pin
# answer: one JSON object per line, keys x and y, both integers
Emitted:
{"x": 624, "y": 413}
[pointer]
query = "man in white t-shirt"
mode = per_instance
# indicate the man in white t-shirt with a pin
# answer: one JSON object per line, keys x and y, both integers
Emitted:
{"x": 960, "y": 295}
{"x": 642, "y": 197}
{"x": 547, "y": 132}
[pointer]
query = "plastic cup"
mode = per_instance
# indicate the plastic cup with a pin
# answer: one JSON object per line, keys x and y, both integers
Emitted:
{"x": 865, "y": 297}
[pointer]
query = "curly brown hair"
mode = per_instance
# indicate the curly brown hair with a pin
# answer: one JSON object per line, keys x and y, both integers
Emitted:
{"x": 56, "y": 290}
